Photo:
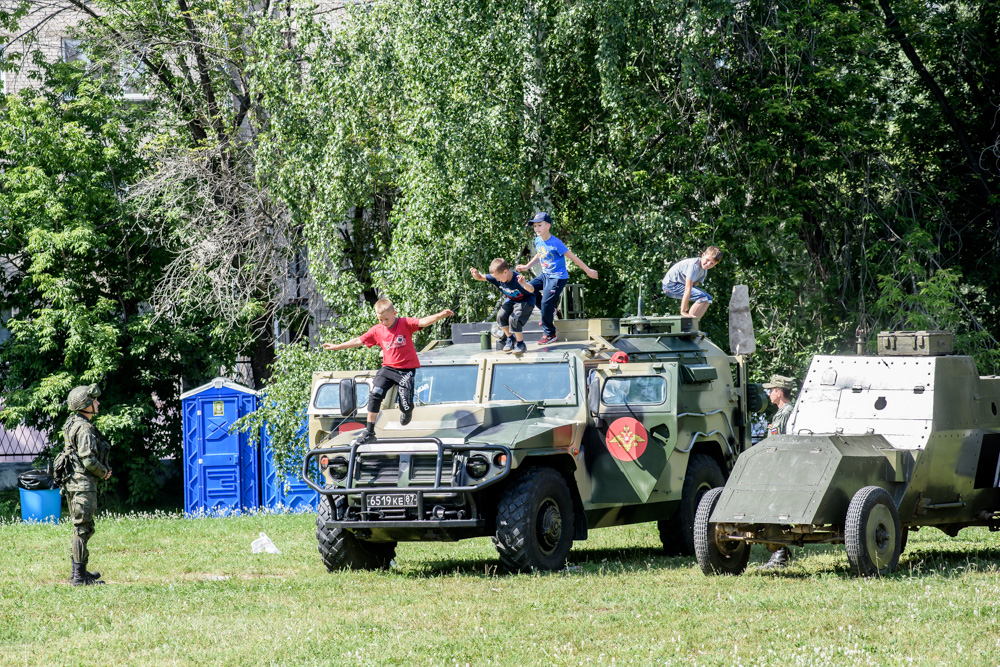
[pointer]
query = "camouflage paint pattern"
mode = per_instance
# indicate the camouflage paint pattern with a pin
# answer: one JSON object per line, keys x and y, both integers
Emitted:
{"x": 703, "y": 410}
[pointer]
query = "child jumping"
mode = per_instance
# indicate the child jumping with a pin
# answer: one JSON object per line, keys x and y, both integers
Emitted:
{"x": 552, "y": 253}
{"x": 683, "y": 277}
{"x": 516, "y": 308}
{"x": 399, "y": 360}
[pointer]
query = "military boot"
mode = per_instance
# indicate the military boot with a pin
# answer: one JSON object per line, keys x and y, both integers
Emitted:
{"x": 80, "y": 577}
{"x": 779, "y": 558}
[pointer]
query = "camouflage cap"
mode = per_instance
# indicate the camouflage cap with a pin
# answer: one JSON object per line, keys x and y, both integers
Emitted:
{"x": 780, "y": 382}
{"x": 82, "y": 397}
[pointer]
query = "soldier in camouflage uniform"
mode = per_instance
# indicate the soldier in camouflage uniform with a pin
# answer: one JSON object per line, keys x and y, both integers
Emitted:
{"x": 779, "y": 391}
{"x": 89, "y": 460}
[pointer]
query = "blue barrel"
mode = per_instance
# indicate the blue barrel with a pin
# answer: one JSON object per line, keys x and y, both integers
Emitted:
{"x": 41, "y": 505}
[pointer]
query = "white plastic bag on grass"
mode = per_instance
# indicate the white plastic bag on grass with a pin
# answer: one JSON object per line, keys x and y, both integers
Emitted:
{"x": 264, "y": 544}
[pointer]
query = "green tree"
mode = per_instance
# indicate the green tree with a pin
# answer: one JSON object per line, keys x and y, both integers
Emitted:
{"x": 79, "y": 271}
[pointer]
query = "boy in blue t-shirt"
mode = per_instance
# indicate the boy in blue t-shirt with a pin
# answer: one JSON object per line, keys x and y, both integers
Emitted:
{"x": 516, "y": 308}
{"x": 552, "y": 253}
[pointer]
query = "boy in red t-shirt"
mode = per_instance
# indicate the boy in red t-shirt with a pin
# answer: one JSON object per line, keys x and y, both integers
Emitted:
{"x": 399, "y": 360}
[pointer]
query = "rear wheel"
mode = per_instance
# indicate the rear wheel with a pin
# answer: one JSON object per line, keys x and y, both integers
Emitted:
{"x": 677, "y": 532}
{"x": 340, "y": 549}
{"x": 716, "y": 555}
{"x": 535, "y": 522}
{"x": 872, "y": 534}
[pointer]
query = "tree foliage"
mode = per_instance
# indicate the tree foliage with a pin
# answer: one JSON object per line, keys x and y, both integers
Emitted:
{"x": 79, "y": 273}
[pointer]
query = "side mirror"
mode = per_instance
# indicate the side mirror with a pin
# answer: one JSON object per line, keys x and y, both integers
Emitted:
{"x": 594, "y": 396}
{"x": 348, "y": 404}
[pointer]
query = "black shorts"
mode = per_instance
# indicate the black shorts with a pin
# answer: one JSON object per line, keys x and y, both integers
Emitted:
{"x": 515, "y": 314}
{"x": 388, "y": 377}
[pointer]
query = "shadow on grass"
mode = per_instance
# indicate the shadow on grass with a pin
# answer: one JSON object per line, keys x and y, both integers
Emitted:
{"x": 937, "y": 559}
{"x": 580, "y": 561}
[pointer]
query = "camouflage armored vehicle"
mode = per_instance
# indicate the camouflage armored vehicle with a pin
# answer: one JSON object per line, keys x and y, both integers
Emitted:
{"x": 536, "y": 450}
{"x": 876, "y": 447}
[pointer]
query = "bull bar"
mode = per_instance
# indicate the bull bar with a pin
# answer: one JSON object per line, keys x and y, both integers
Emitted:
{"x": 363, "y": 492}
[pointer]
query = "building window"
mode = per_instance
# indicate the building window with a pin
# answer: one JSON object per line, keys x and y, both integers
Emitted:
{"x": 133, "y": 77}
{"x": 72, "y": 52}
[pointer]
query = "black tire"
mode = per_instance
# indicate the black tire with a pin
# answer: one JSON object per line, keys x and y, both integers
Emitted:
{"x": 716, "y": 556}
{"x": 340, "y": 549}
{"x": 872, "y": 533}
{"x": 677, "y": 532}
{"x": 904, "y": 535}
{"x": 535, "y": 522}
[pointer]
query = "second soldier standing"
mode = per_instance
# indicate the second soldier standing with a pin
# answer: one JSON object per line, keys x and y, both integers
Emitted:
{"x": 779, "y": 391}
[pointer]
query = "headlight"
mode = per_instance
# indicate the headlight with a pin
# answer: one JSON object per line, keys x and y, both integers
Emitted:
{"x": 477, "y": 466}
{"x": 338, "y": 467}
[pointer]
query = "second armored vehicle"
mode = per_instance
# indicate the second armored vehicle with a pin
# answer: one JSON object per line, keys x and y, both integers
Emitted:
{"x": 876, "y": 447}
{"x": 620, "y": 422}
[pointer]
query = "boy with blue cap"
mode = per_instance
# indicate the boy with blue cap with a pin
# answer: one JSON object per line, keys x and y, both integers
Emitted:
{"x": 552, "y": 253}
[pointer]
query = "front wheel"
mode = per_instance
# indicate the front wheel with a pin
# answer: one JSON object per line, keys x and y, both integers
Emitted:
{"x": 535, "y": 522}
{"x": 340, "y": 549}
{"x": 716, "y": 555}
{"x": 872, "y": 534}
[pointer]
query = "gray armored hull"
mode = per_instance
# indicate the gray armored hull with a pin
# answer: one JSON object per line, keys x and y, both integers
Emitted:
{"x": 877, "y": 447}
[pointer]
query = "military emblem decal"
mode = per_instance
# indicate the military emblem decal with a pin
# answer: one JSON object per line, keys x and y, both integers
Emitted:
{"x": 626, "y": 439}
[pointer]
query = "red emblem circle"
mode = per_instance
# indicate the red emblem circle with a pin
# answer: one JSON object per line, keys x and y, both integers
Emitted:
{"x": 626, "y": 439}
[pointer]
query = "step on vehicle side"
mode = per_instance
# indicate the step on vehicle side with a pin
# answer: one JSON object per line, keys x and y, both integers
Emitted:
{"x": 535, "y": 450}
{"x": 876, "y": 447}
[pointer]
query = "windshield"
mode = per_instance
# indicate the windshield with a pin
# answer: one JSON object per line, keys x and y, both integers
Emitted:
{"x": 534, "y": 382}
{"x": 445, "y": 384}
{"x": 328, "y": 396}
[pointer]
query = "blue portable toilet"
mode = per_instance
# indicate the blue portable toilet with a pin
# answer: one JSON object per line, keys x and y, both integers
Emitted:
{"x": 221, "y": 471}
{"x": 292, "y": 493}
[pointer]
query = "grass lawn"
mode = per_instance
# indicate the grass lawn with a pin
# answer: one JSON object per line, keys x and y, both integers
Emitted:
{"x": 188, "y": 591}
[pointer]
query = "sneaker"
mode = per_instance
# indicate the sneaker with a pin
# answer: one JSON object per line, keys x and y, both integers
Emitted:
{"x": 404, "y": 417}
{"x": 509, "y": 345}
{"x": 503, "y": 340}
{"x": 520, "y": 349}
{"x": 363, "y": 437}
{"x": 545, "y": 340}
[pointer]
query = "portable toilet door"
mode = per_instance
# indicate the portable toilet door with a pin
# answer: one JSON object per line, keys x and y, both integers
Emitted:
{"x": 292, "y": 493}
{"x": 221, "y": 472}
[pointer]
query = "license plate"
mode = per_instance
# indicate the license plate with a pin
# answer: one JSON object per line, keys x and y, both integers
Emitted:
{"x": 392, "y": 500}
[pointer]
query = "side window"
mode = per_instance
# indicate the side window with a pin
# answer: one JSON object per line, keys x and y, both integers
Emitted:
{"x": 644, "y": 390}
{"x": 328, "y": 397}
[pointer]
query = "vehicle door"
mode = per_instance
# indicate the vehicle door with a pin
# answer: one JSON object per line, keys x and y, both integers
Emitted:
{"x": 633, "y": 432}
{"x": 324, "y": 411}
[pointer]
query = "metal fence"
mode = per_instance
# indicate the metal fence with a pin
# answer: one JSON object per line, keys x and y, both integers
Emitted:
{"x": 21, "y": 444}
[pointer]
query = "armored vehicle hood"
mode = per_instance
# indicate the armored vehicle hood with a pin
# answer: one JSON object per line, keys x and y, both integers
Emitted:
{"x": 808, "y": 479}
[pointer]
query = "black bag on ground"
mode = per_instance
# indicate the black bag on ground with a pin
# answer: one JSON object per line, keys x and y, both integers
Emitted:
{"x": 35, "y": 480}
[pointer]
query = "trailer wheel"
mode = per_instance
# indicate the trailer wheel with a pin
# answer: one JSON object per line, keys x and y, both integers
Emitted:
{"x": 677, "y": 532}
{"x": 535, "y": 522}
{"x": 715, "y": 555}
{"x": 340, "y": 549}
{"x": 872, "y": 533}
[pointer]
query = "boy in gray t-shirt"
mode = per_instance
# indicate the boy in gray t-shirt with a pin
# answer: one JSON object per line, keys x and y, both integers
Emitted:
{"x": 683, "y": 277}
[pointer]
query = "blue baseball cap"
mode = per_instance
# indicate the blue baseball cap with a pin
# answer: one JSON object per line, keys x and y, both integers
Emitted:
{"x": 541, "y": 216}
